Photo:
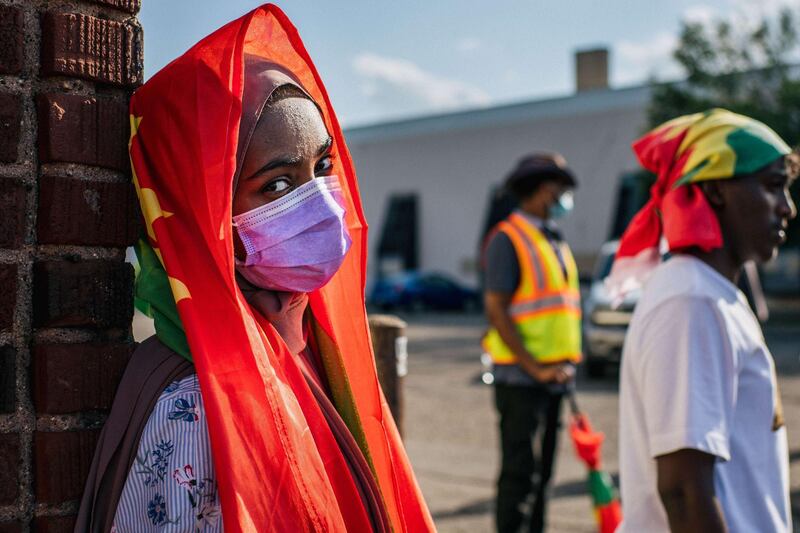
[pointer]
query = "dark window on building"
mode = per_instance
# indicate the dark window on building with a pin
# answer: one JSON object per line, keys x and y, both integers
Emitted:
{"x": 398, "y": 245}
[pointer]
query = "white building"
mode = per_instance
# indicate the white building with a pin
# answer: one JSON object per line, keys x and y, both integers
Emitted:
{"x": 452, "y": 162}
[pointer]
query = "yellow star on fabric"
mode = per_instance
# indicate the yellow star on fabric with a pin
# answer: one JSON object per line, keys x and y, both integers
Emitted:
{"x": 179, "y": 289}
{"x": 151, "y": 207}
{"x": 135, "y": 121}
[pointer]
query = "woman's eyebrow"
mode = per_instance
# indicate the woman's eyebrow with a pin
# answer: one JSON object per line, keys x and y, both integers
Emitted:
{"x": 325, "y": 146}
{"x": 281, "y": 161}
{"x": 289, "y": 161}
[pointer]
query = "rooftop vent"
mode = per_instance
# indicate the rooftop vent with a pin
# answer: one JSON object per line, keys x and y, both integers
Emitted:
{"x": 591, "y": 69}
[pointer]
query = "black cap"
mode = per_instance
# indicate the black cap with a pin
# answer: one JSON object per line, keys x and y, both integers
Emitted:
{"x": 535, "y": 169}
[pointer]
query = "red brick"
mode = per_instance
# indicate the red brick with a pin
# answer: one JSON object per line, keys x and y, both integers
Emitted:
{"x": 8, "y": 378}
{"x": 77, "y": 377}
{"x": 83, "y": 129}
{"x": 10, "y": 121}
{"x": 8, "y": 288}
{"x": 12, "y": 43}
{"x": 11, "y": 527}
{"x": 94, "y": 293}
{"x": 9, "y": 468}
{"x": 13, "y": 206}
{"x": 54, "y": 524}
{"x": 86, "y": 213}
{"x": 61, "y": 464}
{"x": 131, "y": 6}
{"x": 88, "y": 47}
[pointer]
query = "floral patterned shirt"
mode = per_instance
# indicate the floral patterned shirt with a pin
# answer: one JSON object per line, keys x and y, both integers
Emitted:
{"x": 172, "y": 486}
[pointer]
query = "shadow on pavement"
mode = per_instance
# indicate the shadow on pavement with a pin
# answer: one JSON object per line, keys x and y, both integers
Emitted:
{"x": 576, "y": 488}
{"x": 478, "y": 507}
{"x": 795, "y": 503}
{"x": 562, "y": 490}
{"x": 794, "y": 455}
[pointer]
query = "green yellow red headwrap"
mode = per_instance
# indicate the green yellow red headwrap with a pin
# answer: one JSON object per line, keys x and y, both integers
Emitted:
{"x": 713, "y": 145}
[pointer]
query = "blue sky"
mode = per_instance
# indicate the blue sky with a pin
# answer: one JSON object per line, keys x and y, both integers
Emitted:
{"x": 384, "y": 60}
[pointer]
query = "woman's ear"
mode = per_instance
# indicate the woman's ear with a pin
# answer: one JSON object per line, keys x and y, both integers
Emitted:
{"x": 713, "y": 192}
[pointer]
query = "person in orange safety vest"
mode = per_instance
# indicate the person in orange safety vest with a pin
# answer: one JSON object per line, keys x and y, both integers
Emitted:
{"x": 532, "y": 302}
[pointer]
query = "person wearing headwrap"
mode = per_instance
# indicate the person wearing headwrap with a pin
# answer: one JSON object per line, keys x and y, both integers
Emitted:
{"x": 702, "y": 442}
{"x": 256, "y": 405}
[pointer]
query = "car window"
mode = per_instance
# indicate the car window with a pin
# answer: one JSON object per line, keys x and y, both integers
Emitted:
{"x": 603, "y": 266}
{"x": 438, "y": 282}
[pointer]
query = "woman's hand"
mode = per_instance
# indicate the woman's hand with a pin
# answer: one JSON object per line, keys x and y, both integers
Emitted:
{"x": 554, "y": 372}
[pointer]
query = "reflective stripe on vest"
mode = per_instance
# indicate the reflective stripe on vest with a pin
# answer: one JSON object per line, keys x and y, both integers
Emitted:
{"x": 546, "y": 305}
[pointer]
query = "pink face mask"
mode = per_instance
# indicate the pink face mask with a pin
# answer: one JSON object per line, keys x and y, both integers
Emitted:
{"x": 298, "y": 242}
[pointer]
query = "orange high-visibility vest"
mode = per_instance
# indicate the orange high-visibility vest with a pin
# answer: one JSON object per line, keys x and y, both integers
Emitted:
{"x": 546, "y": 306}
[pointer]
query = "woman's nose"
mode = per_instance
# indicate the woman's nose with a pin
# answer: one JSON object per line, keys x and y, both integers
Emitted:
{"x": 787, "y": 208}
{"x": 305, "y": 178}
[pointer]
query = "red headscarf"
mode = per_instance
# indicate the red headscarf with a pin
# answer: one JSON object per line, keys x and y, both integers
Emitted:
{"x": 279, "y": 466}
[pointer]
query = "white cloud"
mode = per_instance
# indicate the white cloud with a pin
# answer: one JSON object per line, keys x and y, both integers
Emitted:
{"x": 403, "y": 87}
{"x": 468, "y": 44}
{"x": 752, "y": 11}
{"x": 635, "y": 62}
{"x": 742, "y": 14}
{"x": 700, "y": 13}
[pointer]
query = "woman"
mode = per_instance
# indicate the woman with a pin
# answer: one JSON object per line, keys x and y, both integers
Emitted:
{"x": 253, "y": 269}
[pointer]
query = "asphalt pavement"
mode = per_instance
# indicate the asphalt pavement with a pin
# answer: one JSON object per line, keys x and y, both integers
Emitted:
{"x": 450, "y": 425}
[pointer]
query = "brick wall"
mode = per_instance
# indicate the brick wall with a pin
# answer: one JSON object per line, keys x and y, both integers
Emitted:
{"x": 67, "y": 213}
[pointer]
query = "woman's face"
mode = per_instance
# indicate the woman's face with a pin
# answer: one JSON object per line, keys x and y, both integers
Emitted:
{"x": 757, "y": 212}
{"x": 290, "y": 146}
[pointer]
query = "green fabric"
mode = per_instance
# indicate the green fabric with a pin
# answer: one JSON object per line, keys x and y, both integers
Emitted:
{"x": 153, "y": 297}
{"x": 601, "y": 487}
{"x": 754, "y": 149}
{"x": 689, "y": 176}
{"x": 341, "y": 391}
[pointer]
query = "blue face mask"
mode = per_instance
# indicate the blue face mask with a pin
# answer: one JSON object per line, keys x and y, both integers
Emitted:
{"x": 563, "y": 206}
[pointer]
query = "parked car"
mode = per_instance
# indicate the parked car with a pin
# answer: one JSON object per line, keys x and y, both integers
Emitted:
{"x": 417, "y": 291}
{"x": 604, "y": 328}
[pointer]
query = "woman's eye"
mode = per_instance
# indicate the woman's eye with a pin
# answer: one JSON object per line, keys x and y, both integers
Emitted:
{"x": 278, "y": 185}
{"x": 323, "y": 165}
{"x": 778, "y": 185}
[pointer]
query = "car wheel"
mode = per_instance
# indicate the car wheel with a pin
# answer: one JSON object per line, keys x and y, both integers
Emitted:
{"x": 595, "y": 368}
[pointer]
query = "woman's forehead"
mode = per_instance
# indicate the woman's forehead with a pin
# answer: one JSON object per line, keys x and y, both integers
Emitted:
{"x": 778, "y": 167}
{"x": 291, "y": 120}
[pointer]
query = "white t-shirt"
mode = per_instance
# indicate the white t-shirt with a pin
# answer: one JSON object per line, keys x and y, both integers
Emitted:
{"x": 696, "y": 373}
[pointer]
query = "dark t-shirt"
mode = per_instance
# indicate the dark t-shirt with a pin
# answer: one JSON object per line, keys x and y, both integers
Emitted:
{"x": 502, "y": 266}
